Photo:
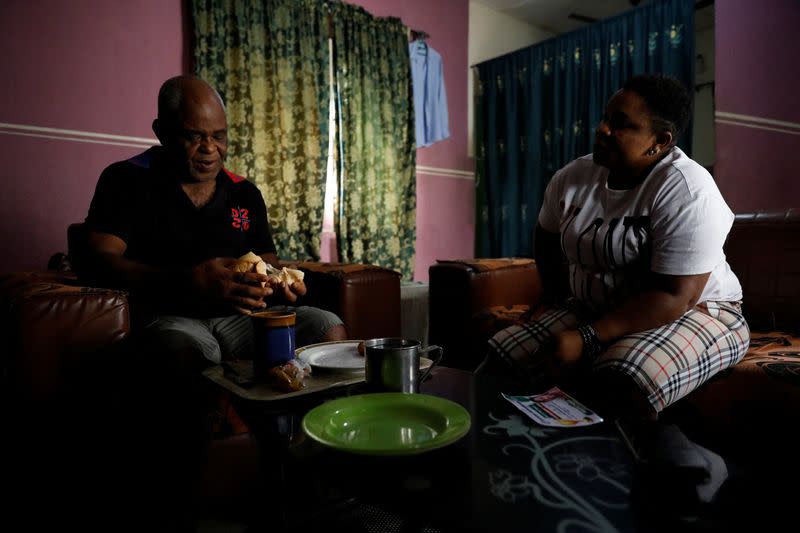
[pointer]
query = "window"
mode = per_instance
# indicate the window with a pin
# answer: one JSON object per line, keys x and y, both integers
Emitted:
{"x": 327, "y": 249}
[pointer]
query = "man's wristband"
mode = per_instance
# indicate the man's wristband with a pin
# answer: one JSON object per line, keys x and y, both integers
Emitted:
{"x": 591, "y": 341}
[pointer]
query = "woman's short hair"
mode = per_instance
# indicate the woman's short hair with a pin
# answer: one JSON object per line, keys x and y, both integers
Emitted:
{"x": 668, "y": 100}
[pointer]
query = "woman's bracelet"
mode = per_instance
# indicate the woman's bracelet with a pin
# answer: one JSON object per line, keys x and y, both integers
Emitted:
{"x": 591, "y": 341}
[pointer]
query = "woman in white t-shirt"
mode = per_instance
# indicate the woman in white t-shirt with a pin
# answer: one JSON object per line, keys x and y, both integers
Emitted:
{"x": 654, "y": 309}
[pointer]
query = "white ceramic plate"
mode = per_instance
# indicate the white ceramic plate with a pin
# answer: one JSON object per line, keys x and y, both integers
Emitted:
{"x": 341, "y": 356}
{"x": 337, "y": 355}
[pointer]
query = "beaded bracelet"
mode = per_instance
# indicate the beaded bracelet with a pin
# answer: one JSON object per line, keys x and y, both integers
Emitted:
{"x": 591, "y": 341}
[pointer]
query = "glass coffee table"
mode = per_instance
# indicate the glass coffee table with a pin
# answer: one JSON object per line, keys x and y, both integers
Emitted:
{"x": 506, "y": 474}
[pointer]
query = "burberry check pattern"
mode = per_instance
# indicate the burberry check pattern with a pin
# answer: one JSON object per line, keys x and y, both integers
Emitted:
{"x": 667, "y": 362}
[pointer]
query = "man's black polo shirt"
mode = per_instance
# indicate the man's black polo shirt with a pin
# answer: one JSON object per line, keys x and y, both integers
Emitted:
{"x": 138, "y": 202}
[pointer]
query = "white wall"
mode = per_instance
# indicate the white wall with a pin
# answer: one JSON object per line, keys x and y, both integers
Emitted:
{"x": 703, "y": 135}
{"x": 492, "y": 34}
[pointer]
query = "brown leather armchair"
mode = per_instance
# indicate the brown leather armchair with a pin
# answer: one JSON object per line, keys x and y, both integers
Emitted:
{"x": 467, "y": 297}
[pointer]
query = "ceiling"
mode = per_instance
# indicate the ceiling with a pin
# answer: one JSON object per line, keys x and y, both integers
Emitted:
{"x": 554, "y": 15}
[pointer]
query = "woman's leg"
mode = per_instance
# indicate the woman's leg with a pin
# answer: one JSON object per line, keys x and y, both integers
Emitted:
{"x": 667, "y": 363}
{"x": 516, "y": 349}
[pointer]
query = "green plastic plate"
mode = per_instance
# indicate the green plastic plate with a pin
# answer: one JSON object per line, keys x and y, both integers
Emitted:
{"x": 387, "y": 423}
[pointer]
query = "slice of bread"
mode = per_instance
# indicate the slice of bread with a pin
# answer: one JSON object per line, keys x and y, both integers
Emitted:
{"x": 285, "y": 274}
{"x": 250, "y": 262}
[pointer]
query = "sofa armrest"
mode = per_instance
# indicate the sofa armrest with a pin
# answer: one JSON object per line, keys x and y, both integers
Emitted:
{"x": 461, "y": 289}
{"x": 365, "y": 297}
{"x": 53, "y": 327}
{"x": 763, "y": 251}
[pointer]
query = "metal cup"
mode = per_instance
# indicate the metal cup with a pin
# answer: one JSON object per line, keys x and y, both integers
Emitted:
{"x": 392, "y": 364}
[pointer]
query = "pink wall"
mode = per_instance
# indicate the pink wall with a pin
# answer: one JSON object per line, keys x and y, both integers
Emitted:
{"x": 80, "y": 65}
{"x": 447, "y": 23}
{"x": 96, "y": 67}
{"x": 445, "y": 204}
{"x": 757, "y": 78}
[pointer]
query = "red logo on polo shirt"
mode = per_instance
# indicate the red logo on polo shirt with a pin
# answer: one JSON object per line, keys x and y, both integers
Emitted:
{"x": 240, "y": 218}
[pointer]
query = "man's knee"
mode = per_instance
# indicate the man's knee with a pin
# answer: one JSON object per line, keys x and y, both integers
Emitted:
{"x": 336, "y": 333}
{"x": 318, "y": 325}
{"x": 182, "y": 338}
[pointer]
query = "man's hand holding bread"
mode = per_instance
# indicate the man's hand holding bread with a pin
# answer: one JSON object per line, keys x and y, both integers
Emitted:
{"x": 287, "y": 282}
{"x": 218, "y": 280}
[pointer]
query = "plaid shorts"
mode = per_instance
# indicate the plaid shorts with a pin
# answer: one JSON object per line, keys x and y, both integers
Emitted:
{"x": 667, "y": 362}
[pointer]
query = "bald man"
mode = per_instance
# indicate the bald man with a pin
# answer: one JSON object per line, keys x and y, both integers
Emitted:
{"x": 168, "y": 225}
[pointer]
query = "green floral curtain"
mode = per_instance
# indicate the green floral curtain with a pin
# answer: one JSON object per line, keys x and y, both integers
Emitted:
{"x": 375, "y": 219}
{"x": 536, "y": 110}
{"x": 269, "y": 60}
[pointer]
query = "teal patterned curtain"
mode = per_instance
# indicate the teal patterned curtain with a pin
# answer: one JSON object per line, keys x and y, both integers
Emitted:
{"x": 536, "y": 110}
{"x": 269, "y": 60}
{"x": 377, "y": 198}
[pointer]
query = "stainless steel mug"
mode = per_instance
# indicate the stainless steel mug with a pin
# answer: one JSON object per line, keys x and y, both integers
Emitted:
{"x": 392, "y": 364}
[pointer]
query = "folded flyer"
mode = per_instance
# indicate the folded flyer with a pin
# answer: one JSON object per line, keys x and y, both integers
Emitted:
{"x": 555, "y": 408}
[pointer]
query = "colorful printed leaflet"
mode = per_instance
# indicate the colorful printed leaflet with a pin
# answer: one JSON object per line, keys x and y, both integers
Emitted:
{"x": 554, "y": 408}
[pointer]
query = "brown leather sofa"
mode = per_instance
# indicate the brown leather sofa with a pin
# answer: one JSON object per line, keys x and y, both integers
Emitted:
{"x": 56, "y": 327}
{"x": 753, "y": 402}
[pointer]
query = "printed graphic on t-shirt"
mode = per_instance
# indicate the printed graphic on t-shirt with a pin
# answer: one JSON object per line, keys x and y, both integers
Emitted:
{"x": 240, "y": 218}
{"x": 603, "y": 253}
{"x": 674, "y": 223}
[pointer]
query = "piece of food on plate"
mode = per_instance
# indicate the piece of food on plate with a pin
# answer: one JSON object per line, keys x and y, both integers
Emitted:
{"x": 282, "y": 380}
{"x": 289, "y": 376}
{"x": 362, "y": 349}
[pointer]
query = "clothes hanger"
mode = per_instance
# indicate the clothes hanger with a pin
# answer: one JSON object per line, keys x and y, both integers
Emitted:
{"x": 419, "y": 37}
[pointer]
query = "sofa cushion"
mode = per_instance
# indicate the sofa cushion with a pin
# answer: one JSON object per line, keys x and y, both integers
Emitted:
{"x": 769, "y": 372}
{"x": 752, "y": 402}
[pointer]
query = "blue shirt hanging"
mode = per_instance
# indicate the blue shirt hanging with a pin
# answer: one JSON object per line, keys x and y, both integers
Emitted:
{"x": 430, "y": 98}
